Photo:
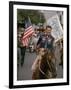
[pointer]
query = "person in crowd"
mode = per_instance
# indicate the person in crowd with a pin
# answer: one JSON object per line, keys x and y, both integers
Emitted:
{"x": 45, "y": 42}
{"x": 23, "y": 50}
{"x": 18, "y": 48}
{"x": 61, "y": 57}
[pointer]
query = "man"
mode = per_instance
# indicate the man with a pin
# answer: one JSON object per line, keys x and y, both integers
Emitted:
{"x": 20, "y": 48}
{"x": 61, "y": 57}
{"x": 46, "y": 41}
{"x": 23, "y": 50}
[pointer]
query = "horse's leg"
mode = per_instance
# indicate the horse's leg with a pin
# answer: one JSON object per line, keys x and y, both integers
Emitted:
{"x": 35, "y": 74}
{"x": 55, "y": 59}
{"x": 54, "y": 72}
{"x": 53, "y": 65}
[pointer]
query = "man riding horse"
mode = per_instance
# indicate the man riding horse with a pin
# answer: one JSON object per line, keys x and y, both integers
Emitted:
{"x": 46, "y": 51}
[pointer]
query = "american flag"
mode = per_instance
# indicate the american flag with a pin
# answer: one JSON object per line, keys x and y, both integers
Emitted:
{"x": 28, "y": 32}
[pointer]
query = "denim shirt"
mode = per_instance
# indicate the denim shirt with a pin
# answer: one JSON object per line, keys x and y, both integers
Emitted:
{"x": 46, "y": 42}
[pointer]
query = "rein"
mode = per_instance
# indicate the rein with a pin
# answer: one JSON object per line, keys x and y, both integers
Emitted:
{"x": 43, "y": 71}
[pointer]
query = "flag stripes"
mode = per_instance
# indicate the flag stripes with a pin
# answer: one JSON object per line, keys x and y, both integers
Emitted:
{"x": 28, "y": 32}
{"x": 25, "y": 42}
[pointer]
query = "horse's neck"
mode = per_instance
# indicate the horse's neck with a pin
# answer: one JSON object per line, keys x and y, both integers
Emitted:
{"x": 39, "y": 57}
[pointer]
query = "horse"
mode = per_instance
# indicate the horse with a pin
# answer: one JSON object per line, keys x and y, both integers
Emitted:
{"x": 44, "y": 65}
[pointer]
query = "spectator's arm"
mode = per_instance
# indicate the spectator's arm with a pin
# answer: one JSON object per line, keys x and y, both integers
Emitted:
{"x": 40, "y": 39}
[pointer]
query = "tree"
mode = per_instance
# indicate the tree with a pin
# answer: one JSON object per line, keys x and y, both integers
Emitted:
{"x": 35, "y": 16}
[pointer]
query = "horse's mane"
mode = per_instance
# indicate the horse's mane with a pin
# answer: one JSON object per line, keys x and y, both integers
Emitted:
{"x": 47, "y": 55}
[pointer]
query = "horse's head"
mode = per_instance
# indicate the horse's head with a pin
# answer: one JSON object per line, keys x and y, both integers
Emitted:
{"x": 42, "y": 52}
{"x": 46, "y": 54}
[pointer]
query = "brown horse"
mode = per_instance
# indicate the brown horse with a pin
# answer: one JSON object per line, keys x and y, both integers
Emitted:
{"x": 45, "y": 65}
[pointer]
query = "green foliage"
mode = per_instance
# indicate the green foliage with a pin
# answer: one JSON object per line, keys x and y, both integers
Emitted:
{"x": 35, "y": 16}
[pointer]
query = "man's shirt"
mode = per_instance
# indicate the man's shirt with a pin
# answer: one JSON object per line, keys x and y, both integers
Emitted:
{"x": 45, "y": 41}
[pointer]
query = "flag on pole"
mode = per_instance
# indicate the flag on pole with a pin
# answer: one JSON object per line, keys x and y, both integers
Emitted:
{"x": 28, "y": 32}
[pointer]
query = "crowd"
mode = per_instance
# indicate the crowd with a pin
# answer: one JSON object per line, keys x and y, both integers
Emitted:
{"x": 43, "y": 44}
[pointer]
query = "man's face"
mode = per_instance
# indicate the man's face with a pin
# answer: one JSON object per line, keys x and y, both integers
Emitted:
{"x": 48, "y": 31}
